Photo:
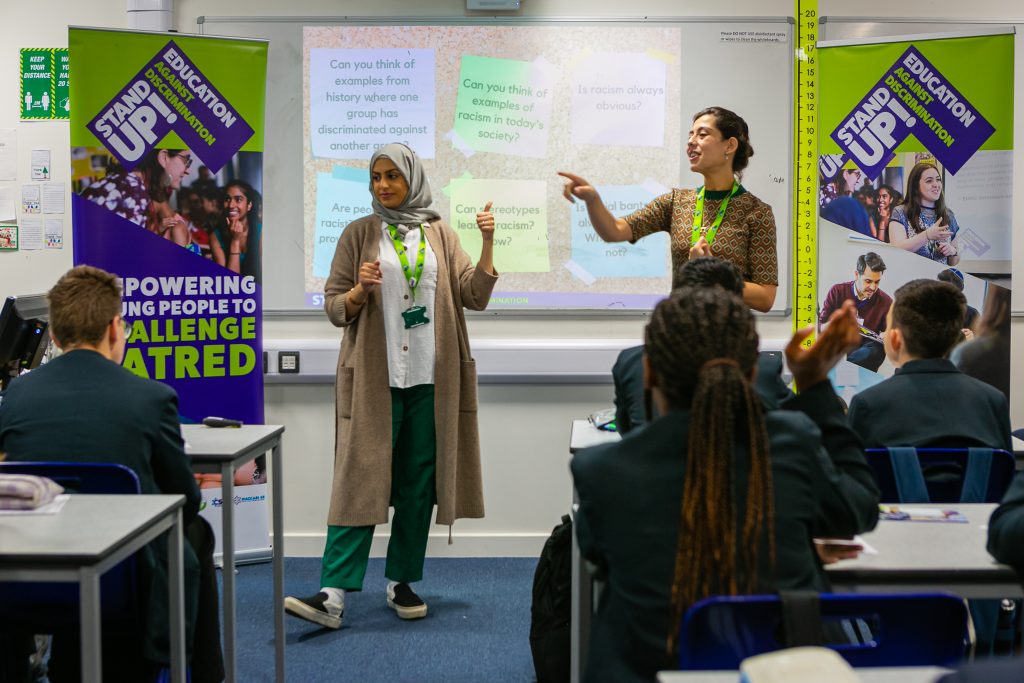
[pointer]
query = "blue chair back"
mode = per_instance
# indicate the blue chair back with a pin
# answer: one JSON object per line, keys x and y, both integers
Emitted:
{"x": 46, "y": 607}
{"x": 927, "y": 629}
{"x": 941, "y": 475}
{"x": 81, "y": 477}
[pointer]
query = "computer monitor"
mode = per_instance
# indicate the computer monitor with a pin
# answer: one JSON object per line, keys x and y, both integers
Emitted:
{"x": 23, "y": 335}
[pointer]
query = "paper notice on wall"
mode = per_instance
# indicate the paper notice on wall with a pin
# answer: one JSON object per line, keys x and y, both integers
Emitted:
{"x": 8, "y": 204}
{"x": 40, "y": 164}
{"x": 30, "y": 202}
{"x": 53, "y": 197}
{"x": 53, "y": 229}
{"x": 8, "y": 154}
{"x": 31, "y": 232}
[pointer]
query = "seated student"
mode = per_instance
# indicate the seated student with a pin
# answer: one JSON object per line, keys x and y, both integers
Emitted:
{"x": 627, "y": 373}
{"x": 929, "y": 402}
{"x": 1006, "y": 526}
{"x": 82, "y": 406}
{"x": 731, "y": 494}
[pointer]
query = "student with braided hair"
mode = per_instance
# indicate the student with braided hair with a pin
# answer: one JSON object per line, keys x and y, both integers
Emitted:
{"x": 718, "y": 495}
{"x": 720, "y": 218}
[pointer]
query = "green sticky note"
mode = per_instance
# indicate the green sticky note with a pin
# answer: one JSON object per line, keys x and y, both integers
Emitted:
{"x": 520, "y": 218}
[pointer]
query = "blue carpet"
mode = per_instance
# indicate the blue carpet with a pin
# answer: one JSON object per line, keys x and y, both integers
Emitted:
{"x": 477, "y": 628}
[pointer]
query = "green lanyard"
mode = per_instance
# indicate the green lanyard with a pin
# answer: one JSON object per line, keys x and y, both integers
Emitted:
{"x": 698, "y": 214}
{"x": 414, "y": 276}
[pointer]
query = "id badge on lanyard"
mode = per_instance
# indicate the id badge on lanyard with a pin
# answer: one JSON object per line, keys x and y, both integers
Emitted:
{"x": 414, "y": 316}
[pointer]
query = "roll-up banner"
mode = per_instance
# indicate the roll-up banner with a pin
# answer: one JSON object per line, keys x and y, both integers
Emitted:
{"x": 167, "y": 174}
{"x": 916, "y": 181}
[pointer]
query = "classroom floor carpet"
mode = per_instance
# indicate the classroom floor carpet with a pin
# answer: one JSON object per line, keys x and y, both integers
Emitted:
{"x": 477, "y": 628}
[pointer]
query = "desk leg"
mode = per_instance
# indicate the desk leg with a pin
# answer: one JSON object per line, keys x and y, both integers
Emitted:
{"x": 176, "y": 597}
{"x": 89, "y": 625}
{"x": 228, "y": 556}
{"x": 279, "y": 565}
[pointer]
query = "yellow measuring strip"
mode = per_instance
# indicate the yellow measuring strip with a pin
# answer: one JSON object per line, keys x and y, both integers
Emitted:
{"x": 805, "y": 301}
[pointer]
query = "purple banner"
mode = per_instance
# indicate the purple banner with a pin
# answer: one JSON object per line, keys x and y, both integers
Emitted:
{"x": 195, "y": 325}
{"x": 169, "y": 93}
{"x": 912, "y": 97}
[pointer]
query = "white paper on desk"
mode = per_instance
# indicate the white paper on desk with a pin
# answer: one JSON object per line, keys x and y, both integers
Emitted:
{"x": 40, "y": 164}
{"x": 8, "y": 154}
{"x": 53, "y": 229}
{"x": 30, "y": 199}
{"x": 51, "y": 508}
{"x": 53, "y": 197}
{"x": 8, "y": 204}
{"x": 31, "y": 229}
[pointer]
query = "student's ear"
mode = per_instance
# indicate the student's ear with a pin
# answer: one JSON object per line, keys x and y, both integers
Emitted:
{"x": 895, "y": 339}
{"x": 55, "y": 341}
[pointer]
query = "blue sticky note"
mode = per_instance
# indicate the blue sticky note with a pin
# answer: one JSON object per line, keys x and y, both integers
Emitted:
{"x": 341, "y": 197}
{"x": 647, "y": 258}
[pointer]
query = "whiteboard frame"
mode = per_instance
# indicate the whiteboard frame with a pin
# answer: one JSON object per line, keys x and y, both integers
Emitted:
{"x": 784, "y": 244}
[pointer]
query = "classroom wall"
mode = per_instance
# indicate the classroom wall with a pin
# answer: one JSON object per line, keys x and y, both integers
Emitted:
{"x": 524, "y": 428}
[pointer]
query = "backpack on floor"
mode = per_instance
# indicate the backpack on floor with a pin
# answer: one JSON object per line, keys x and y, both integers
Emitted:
{"x": 551, "y": 611}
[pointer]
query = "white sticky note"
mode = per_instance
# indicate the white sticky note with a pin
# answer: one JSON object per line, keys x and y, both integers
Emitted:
{"x": 580, "y": 272}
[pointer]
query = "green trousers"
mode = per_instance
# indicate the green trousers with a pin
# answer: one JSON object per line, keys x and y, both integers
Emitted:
{"x": 413, "y": 465}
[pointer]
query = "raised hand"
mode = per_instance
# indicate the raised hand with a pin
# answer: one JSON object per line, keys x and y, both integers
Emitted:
{"x": 485, "y": 221}
{"x": 577, "y": 187}
{"x": 810, "y": 366}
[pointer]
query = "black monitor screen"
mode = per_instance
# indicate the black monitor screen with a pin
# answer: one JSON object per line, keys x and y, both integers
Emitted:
{"x": 23, "y": 335}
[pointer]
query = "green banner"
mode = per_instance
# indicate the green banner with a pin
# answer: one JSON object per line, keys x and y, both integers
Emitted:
{"x": 980, "y": 67}
{"x": 43, "y": 95}
{"x": 239, "y": 80}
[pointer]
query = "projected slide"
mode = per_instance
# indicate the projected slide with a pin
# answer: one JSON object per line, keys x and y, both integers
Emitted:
{"x": 494, "y": 112}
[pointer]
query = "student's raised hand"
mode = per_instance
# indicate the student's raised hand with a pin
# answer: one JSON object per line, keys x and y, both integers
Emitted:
{"x": 577, "y": 187}
{"x": 485, "y": 221}
{"x": 702, "y": 248}
{"x": 370, "y": 275}
{"x": 810, "y": 366}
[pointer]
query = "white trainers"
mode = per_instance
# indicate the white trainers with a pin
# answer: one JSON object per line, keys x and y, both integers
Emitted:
{"x": 404, "y": 600}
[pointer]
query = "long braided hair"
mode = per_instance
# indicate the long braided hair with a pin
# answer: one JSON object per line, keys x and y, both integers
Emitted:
{"x": 702, "y": 345}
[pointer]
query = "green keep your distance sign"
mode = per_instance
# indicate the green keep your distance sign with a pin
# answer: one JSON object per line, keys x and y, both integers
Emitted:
{"x": 43, "y": 95}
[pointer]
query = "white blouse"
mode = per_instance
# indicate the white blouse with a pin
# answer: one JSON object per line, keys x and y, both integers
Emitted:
{"x": 410, "y": 352}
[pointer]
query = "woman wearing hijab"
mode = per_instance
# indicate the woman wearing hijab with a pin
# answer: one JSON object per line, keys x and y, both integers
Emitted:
{"x": 398, "y": 284}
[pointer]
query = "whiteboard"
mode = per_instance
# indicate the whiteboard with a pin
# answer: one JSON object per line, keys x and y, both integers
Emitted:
{"x": 741, "y": 64}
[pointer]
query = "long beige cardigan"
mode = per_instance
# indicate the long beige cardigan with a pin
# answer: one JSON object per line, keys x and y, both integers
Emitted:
{"x": 362, "y": 456}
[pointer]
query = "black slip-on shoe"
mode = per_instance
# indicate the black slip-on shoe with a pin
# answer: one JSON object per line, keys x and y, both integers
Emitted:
{"x": 315, "y": 609}
{"x": 404, "y": 600}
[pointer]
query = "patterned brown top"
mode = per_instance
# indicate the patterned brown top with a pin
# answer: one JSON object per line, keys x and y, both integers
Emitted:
{"x": 746, "y": 237}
